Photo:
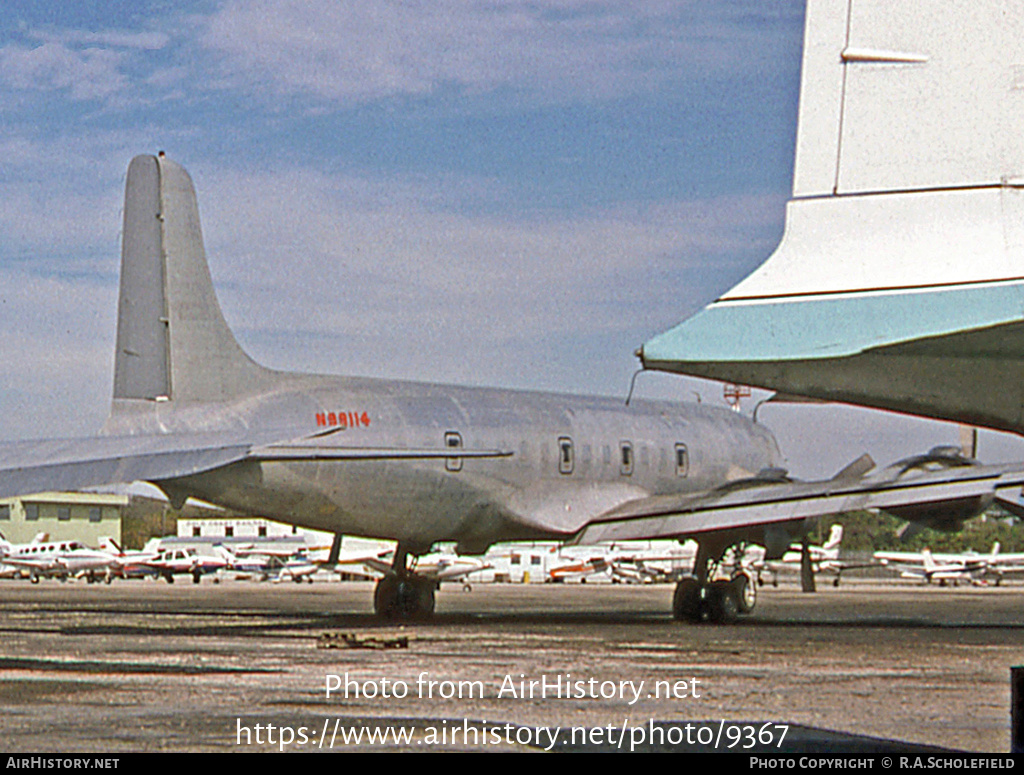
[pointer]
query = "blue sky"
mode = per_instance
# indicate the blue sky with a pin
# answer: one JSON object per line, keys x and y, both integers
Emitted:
{"x": 492, "y": 192}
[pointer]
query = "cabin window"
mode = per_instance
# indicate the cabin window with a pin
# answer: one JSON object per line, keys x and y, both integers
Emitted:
{"x": 682, "y": 460}
{"x": 453, "y": 440}
{"x": 566, "y": 459}
{"x": 626, "y": 458}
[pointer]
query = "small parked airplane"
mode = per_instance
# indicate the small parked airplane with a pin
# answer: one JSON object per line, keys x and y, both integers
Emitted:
{"x": 59, "y": 559}
{"x": 952, "y": 568}
{"x": 172, "y": 562}
{"x": 823, "y": 559}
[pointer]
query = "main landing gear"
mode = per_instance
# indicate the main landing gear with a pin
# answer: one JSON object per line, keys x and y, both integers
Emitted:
{"x": 720, "y": 601}
{"x": 402, "y": 595}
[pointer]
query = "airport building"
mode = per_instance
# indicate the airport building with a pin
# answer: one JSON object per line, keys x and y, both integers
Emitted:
{"x": 65, "y": 516}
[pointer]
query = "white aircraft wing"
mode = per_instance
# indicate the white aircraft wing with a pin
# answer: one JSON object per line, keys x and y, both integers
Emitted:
{"x": 961, "y": 491}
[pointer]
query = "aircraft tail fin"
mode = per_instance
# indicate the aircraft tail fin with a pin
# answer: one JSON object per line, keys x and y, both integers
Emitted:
{"x": 173, "y": 343}
{"x": 897, "y": 283}
{"x": 835, "y": 537}
{"x": 929, "y": 561}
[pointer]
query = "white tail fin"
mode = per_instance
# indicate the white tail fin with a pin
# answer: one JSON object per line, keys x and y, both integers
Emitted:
{"x": 899, "y": 279}
{"x": 835, "y": 537}
{"x": 929, "y": 561}
{"x": 172, "y": 340}
{"x": 923, "y": 95}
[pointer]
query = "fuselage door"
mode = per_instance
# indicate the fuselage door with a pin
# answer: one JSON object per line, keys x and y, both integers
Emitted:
{"x": 566, "y": 457}
{"x": 626, "y": 458}
{"x": 682, "y": 460}
{"x": 453, "y": 440}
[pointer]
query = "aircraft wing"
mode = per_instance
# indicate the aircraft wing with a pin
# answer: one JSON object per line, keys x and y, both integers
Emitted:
{"x": 962, "y": 490}
{"x": 69, "y": 464}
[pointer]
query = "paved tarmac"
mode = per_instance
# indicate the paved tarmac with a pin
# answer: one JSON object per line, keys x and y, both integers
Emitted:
{"x": 239, "y": 666}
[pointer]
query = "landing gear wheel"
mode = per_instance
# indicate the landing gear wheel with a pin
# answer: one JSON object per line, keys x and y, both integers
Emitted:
{"x": 723, "y": 602}
{"x": 404, "y": 599}
{"x": 687, "y": 605}
{"x": 745, "y": 591}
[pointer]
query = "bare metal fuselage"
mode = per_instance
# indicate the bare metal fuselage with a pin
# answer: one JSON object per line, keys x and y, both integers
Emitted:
{"x": 547, "y": 463}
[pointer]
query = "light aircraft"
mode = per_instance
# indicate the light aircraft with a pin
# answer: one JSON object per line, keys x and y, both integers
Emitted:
{"x": 630, "y": 562}
{"x": 822, "y": 559}
{"x": 130, "y": 562}
{"x": 944, "y": 568}
{"x": 899, "y": 278}
{"x": 424, "y": 463}
{"x": 435, "y": 567}
{"x": 172, "y": 562}
{"x": 270, "y": 564}
{"x": 1002, "y": 565}
{"x": 297, "y": 568}
{"x": 60, "y": 559}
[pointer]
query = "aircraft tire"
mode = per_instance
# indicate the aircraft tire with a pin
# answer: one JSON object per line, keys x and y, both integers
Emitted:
{"x": 686, "y": 603}
{"x": 745, "y": 591}
{"x": 723, "y": 602}
{"x": 403, "y": 599}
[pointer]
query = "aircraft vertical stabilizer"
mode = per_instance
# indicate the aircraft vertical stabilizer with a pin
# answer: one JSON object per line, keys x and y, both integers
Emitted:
{"x": 172, "y": 340}
{"x": 899, "y": 281}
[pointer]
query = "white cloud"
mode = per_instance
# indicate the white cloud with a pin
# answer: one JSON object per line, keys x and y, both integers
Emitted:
{"x": 553, "y": 49}
{"x": 130, "y": 39}
{"x": 87, "y": 74}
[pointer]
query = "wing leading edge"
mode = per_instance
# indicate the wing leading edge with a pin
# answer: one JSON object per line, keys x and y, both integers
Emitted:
{"x": 959, "y": 492}
{"x": 70, "y": 464}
